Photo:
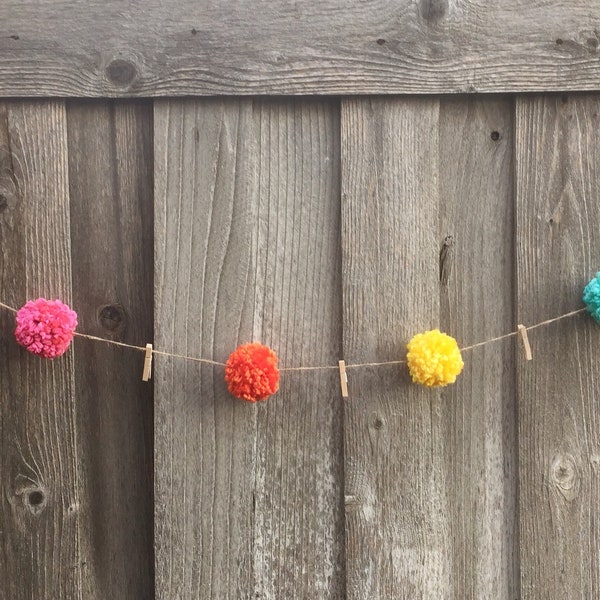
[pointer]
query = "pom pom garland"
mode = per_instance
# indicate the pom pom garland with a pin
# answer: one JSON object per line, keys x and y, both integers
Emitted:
{"x": 251, "y": 372}
{"x": 45, "y": 327}
{"x": 434, "y": 359}
{"x": 591, "y": 297}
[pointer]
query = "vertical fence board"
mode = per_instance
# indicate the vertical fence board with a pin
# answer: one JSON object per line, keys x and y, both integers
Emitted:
{"x": 558, "y": 170}
{"x": 248, "y": 497}
{"x": 430, "y": 475}
{"x": 110, "y": 177}
{"x": 299, "y": 462}
{"x": 38, "y": 463}
{"x": 396, "y": 519}
{"x": 476, "y": 288}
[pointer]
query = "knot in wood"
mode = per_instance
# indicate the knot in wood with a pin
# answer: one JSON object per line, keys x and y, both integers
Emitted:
{"x": 121, "y": 72}
{"x": 378, "y": 422}
{"x": 34, "y": 499}
{"x": 565, "y": 476}
{"x": 433, "y": 11}
{"x": 445, "y": 262}
{"x": 8, "y": 192}
{"x": 112, "y": 318}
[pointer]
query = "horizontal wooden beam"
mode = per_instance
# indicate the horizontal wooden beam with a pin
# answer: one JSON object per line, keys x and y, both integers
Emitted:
{"x": 110, "y": 48}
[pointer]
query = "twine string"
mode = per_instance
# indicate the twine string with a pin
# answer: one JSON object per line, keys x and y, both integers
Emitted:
{"x": 215, "y": 363}
{"x": 7, "y": 307}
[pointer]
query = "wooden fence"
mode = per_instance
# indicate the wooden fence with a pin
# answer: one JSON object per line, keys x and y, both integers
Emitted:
{"x": 327, "y": 227}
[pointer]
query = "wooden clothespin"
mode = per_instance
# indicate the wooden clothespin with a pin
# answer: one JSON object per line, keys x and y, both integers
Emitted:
{"x": 147, "y": 363}
{"x": 525, "y": 339}
{"x": 343, "y": 378}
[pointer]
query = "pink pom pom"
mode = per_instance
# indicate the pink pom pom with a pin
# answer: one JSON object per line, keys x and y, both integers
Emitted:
{"x": 45, "y": 327}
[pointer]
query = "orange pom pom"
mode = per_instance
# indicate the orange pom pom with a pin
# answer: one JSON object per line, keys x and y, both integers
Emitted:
{"x": 251, "y": 372}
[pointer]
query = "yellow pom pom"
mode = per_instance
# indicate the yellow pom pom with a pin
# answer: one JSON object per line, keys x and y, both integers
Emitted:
{"x": 434, "y": 359}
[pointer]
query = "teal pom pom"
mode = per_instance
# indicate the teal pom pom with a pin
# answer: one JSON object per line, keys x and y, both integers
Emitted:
{"x": 591, "y": 297}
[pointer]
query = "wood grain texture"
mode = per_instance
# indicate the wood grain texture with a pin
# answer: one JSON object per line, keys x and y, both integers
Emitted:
{"x": 477, "y": 298}
{"x": 430, "y": 476}
{"x": 39, "y": 470}
{"x": 558, "y": 169}
{"x": 155, "y": 48}
{"x": 248, "y": 497}
{"x": 396, "y": 487}
{"x": 111, "y": 190}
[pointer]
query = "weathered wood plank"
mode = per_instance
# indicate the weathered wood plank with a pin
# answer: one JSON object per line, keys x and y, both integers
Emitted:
{"x": 430, "y": 475}
{"x": 477, "y": 298}
{"x": 248, "y": 497}
{"x": 100, "y": 48}
{"x": 110, "y": 177}
{"x": 39, "y": 474}
{"x": 558, "y": 251}
{"x": 397, "y": 522}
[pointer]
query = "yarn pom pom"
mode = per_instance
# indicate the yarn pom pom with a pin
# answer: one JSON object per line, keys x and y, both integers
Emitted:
{"x": 591, "y": 297}
{"x": 45, "y": 327}
{"x": 434, "y": 359}
{"x": 251, "y": 372}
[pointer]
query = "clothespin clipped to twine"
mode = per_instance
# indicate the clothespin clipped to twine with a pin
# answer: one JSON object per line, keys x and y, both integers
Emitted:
{"x": 147, "y": 363}
{"x": 343, "y": 378}
{"x": 525, "y": 339}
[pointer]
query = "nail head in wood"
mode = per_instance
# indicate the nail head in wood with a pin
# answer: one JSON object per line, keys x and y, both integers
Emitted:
{"x": 147, "y": 363}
